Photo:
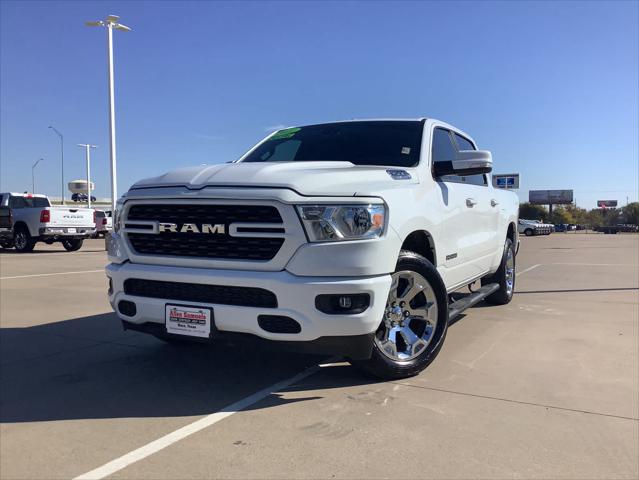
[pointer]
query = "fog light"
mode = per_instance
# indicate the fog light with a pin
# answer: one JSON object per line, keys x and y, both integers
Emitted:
{"x": 345, "y": 302}
{"x": 342, "y": 304}
{"x": 127, "y": 308}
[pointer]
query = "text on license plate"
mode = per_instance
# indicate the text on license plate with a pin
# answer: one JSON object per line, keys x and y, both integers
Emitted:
{"x": 192, "y": 321}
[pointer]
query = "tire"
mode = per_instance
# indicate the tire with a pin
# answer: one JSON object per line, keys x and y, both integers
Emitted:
{"x": 505, "y": 276}
{"x": 73, "y": 244}
{"x": 7, "y": 243}
{"x": 400, "y": 358}
{"x": 529, "y": 232}
{"x": 22, "y": 240}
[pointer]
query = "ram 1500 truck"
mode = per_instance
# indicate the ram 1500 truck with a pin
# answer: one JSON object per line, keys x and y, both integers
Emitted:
{"x": 27, "y": 218}
{"x": 343, "y": 238}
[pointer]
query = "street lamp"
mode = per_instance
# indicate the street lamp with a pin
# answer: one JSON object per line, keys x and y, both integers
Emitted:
{"x": 110, "y": 23}
{"x": 88, "y": 148}
{"x": 61, "y": 156}
{"x": 33, "y": 174}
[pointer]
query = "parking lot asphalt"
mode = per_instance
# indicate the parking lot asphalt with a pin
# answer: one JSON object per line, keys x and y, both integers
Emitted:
{"x": 545, "y": 387}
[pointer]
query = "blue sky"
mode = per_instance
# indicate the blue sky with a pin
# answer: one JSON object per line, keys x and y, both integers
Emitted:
{"x": 551, "y": 88}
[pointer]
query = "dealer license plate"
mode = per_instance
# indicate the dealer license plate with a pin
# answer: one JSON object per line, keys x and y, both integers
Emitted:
{"x": 191, "y": 321}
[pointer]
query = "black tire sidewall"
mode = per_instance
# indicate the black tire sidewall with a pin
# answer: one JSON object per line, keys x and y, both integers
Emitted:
{"x": 382, "y": 366}
{"x": 29, "y": 243}
{"x": 73, "y": 244}
{"x": 501, "y": 296}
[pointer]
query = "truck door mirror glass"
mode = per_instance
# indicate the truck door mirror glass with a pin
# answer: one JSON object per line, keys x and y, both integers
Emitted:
{"x": 468, "y": 162}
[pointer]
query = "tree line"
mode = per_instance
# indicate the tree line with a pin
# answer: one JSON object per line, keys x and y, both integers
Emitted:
{"x": 628, "y": 214}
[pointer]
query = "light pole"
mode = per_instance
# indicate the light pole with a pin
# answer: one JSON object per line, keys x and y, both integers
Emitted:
{"x": 88, "y": 148}
{"x": 110, "y": 23}
{"x": 61, "y": 156}
{"x": 33, "y": 174}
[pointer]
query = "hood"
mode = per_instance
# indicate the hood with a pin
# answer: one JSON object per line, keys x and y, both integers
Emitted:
{"x": 306, "y": 178}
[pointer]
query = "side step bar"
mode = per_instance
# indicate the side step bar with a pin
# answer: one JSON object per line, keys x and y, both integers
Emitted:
{"x": 457, "y": 307}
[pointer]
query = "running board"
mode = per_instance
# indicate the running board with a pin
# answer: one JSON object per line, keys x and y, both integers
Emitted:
{"x": 457, "y": 308}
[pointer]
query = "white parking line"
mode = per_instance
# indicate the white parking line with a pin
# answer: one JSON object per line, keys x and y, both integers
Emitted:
{"x": 181, "y": 433}
{"x": 51, "y": 274}
{"x": 38, "y": 255}
{"x": 529, "y": 269}
{"x": 598, "y": 264}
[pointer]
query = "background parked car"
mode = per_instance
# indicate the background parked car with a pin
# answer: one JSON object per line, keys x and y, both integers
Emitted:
{"x": 534, "y": 227}
{"x": 103, "y": 222}
{"x": 81, "y": 197}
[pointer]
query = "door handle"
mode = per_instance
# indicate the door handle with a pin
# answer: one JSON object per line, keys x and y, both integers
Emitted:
{"x": 471, "y": 202}
{"x": 494, "y": 203}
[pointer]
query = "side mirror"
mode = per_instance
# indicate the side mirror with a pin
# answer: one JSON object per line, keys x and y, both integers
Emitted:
{"x": 468, "y": 162}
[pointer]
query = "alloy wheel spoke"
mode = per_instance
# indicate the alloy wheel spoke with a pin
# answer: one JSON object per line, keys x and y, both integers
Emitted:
{"x": 409, "y": 337}
{"x": 412, "y": 291}
{"x": 418, "y": 346}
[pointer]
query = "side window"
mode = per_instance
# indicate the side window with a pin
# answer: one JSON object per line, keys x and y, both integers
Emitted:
{"x": 17, "y": 202}
{"x": 463, "y": 143}
{"x": 473, "y": 179}
{"x": 443, "y": 148}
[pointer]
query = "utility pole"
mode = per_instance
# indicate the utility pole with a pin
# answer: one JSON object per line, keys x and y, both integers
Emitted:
{"x": 33, "y": 174}
{"x": 61, "y": 159}
{"x": 110, "y": 23}
{"x": 88, "y": 148}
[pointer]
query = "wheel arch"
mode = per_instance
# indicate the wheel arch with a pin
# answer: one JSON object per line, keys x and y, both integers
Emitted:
{"x": 422, "y": 243}
{"x": 21, "y": 224}
{"x": 512, "y": 232}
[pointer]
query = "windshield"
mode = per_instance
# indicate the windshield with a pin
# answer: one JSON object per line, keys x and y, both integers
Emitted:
{"x": 387, "y": 143}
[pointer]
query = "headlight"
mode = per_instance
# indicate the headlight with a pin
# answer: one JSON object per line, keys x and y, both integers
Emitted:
{"x": 325, "y": 223}
{"x": 117, "y": 215}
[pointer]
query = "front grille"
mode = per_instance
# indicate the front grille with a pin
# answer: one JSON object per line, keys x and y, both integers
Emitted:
{"x": 199, "y": 293}
{"x": 188, "y": 245}
{"x": 206, "y": 213}
{"x": 203, "y": 245}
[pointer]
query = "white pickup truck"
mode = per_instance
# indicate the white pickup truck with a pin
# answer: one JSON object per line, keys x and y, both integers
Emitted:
{"x": 27, "y": 218}
{"x": 340, "y": 238}
{"x": 535, "y": 227}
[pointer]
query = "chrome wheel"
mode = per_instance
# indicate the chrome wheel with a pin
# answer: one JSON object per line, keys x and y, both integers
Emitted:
{"x": 410, "y": 318}
{"x": 510, "y": 271}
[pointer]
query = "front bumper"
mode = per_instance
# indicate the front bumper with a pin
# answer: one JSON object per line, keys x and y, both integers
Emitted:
{"x": 295, "y": 298}
{"x": 354, "y": 347}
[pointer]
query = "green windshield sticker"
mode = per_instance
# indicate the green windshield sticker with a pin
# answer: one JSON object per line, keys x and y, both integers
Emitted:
{"x": 286, "y": 133}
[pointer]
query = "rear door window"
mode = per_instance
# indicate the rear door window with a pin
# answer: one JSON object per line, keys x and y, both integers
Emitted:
{"x": 17, "y": 202}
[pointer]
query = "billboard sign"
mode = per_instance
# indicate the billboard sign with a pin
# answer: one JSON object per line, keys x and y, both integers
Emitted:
{"x": 550, "y": 197}
{"x": 506, "y": 180}
{"x": 606, "y": 203}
